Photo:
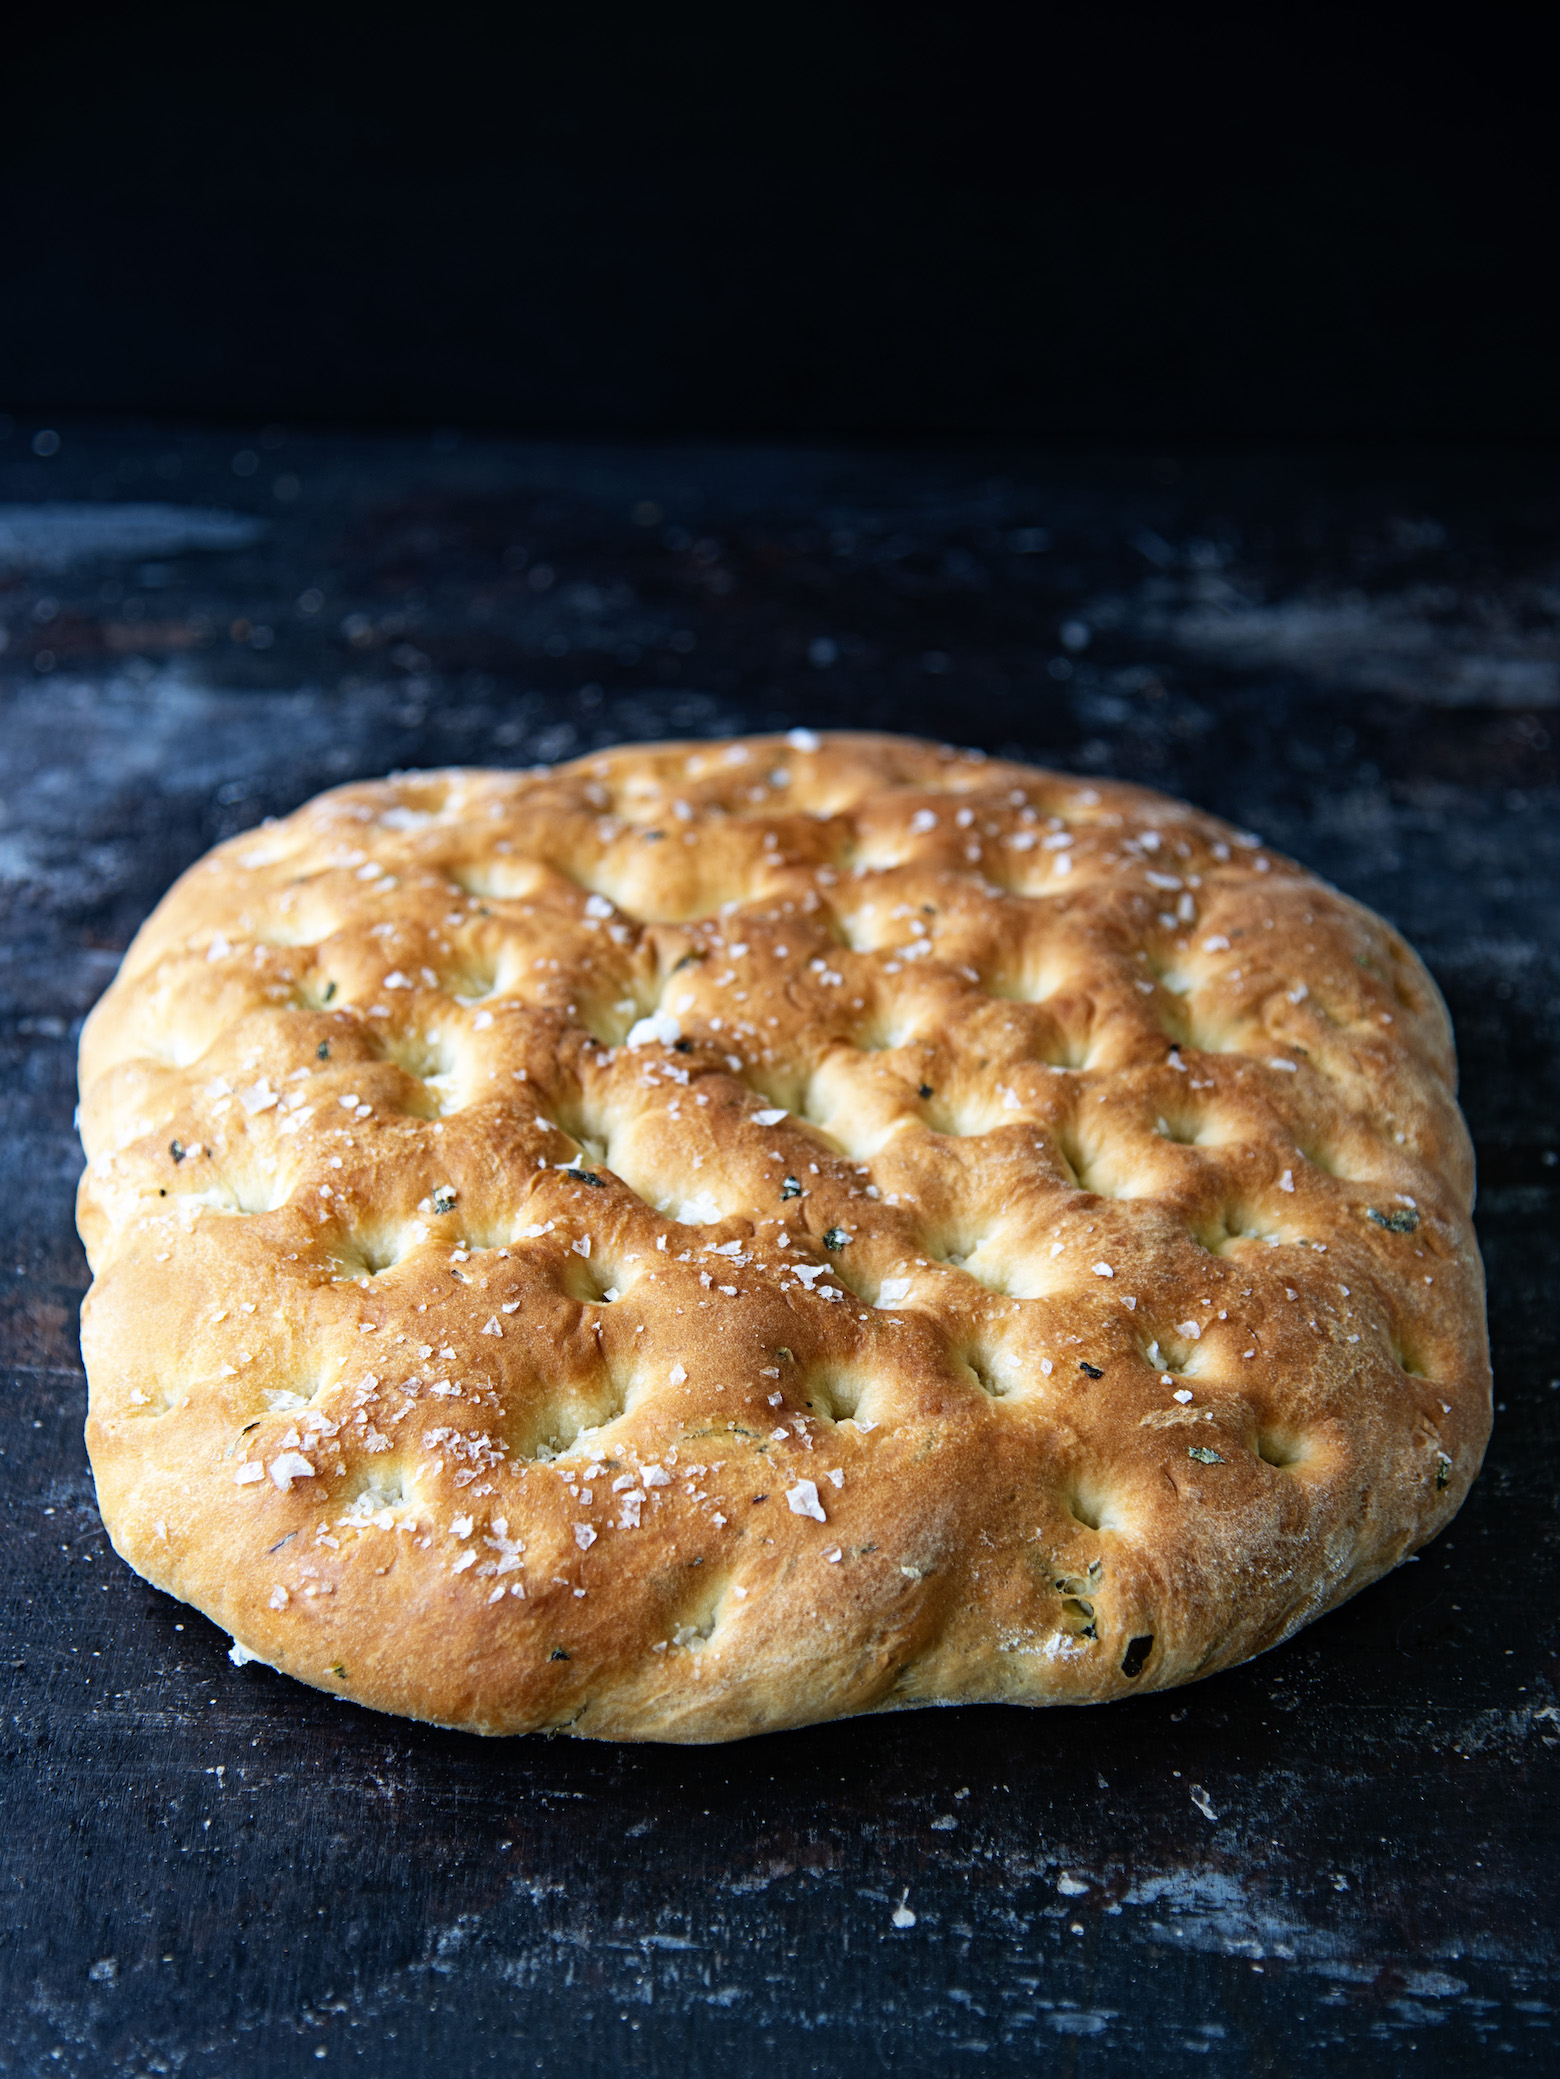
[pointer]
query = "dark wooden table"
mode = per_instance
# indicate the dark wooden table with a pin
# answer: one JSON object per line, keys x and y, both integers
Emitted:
{"x": 1335, "y": 1857}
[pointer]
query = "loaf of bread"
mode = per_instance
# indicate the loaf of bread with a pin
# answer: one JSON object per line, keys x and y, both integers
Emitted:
{"x": 719, "y": 1236}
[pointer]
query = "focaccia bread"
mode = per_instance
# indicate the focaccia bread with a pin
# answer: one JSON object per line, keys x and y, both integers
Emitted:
{"x": 719, "y": 1236}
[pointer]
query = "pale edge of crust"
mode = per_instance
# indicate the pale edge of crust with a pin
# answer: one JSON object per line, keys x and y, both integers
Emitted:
{"x": 1175, "y": 1033}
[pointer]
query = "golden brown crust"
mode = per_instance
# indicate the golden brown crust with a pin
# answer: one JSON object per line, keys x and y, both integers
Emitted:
{"x": 717, "y": 1236}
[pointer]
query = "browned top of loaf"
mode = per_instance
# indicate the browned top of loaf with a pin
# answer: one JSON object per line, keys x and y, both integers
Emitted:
{"x": 716, "y": 1236}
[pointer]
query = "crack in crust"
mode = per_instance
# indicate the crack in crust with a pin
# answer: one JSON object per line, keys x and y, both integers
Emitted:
{"x": 719, "y": 1236}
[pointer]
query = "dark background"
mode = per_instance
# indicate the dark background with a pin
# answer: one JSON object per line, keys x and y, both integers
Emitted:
{"x": 820, "y": 218}
{"x": 1160, "y": 395}
{"x": 218, "y": 1874}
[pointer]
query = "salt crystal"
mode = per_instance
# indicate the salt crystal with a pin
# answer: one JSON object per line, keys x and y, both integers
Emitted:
{"x": 660, "y": 1028}
{"x": 802, "y": 1499}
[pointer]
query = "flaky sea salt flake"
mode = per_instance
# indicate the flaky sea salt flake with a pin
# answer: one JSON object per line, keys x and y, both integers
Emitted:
{"x": 802, "y": 1500}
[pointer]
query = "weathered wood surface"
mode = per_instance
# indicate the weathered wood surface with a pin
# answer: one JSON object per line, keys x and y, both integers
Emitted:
{"x": 1327, "y": 1860}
